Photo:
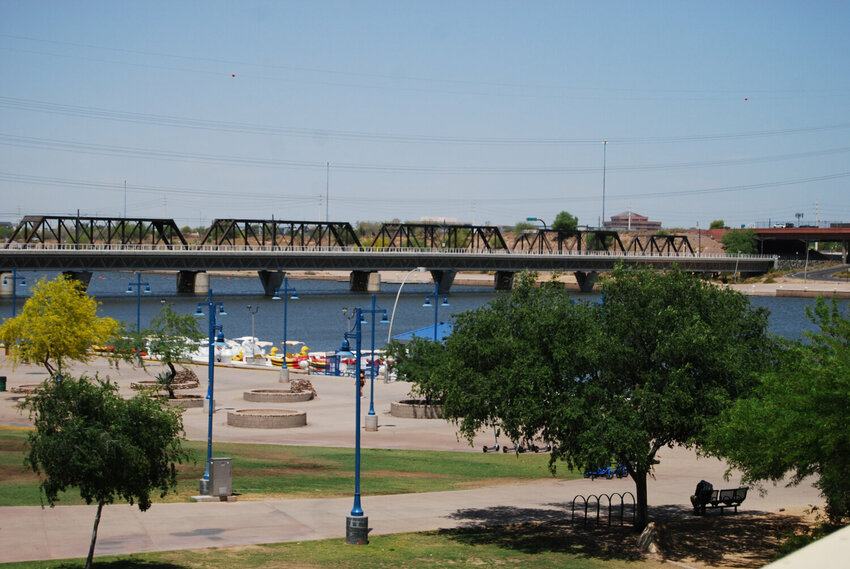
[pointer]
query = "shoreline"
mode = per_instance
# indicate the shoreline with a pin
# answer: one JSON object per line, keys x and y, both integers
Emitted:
{"x": 783, "y": 287}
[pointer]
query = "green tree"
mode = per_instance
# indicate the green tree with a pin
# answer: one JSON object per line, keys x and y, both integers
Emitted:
{"x": 88, "y": 437}
{"x": 58, "y": 323}
{"x": 565, "y": 222}
{"x": 796, "y": 420}
{"x": 522, "y": 226}
{"x": 740, "y": 241}
{"x": 618, "y": 381}
{"x": 717, "y": 224}
{"x": 171, "y": 337}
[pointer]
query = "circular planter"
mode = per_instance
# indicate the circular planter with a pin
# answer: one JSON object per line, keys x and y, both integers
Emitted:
{"x": 187, "y": 401}
{"x": 266, "y": 418}
{"x": 154, "y": 385}
{"x": 276, "y": 396}
{"x": 415, "y": 409}
{"x": 26, "y": 388}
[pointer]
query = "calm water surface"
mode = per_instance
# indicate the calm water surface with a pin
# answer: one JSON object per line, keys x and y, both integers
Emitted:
{"x": 317, "y": 317}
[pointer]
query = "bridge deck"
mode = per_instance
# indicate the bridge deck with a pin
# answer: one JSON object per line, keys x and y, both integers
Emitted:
{"x": 245, "y": 258}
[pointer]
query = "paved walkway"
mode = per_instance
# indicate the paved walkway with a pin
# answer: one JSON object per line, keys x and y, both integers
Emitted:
{"x": 33, "y": 533}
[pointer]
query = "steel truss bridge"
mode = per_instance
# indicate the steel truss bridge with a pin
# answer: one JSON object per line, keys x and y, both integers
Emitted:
{"x": 271, "y": 247}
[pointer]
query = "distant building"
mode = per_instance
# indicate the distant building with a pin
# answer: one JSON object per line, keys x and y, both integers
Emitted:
{"x": 440, "y": 220}
{"x": 631, "y": 220}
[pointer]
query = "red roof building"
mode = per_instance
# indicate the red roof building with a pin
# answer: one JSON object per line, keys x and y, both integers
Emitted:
{"x": 630, "y": 220}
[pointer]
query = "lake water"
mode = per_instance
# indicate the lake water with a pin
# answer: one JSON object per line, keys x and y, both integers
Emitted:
{"x": 317, "y": 317}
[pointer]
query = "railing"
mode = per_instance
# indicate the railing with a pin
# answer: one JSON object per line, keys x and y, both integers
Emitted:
{"x": 352, "y": 250}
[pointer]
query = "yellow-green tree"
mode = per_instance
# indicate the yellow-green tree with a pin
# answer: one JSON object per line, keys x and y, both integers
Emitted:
{"x": 58, "y": 324}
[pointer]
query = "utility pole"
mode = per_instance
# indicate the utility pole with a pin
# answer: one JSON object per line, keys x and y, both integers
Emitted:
{"x": 604, "y": 163}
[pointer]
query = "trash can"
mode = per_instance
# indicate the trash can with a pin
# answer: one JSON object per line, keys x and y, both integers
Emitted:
{"x": 2, "y": 383}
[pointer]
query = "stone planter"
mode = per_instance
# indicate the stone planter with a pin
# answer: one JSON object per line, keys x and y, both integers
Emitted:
{"x": 276, "y": 396}
{"x": 154, "y": 385}
{"x": 187, "y": 401}
{"x": 416, "y": 409}
{"x": 266, "y": 418}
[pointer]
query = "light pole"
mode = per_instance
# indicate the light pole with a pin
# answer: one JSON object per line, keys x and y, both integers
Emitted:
{"x": 138, "y": 285}
{"x": 287, "y": 294}
{"x": 372, "y": 419}
{"x": 212, "y": 309}
{"x": 253, "y": 310}
{"x": 546, "y": 227}
{"x": 437, "y": 305}
{"x": 15, "y": 280}
{"x": 356, "y": 524}
{"x": 397, "y": 295}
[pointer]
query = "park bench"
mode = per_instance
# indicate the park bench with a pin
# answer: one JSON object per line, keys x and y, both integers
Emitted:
{"x": 720, "y": 499}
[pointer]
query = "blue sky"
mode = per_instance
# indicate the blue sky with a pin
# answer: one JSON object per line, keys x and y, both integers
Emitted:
{"x": 487, "y": 112}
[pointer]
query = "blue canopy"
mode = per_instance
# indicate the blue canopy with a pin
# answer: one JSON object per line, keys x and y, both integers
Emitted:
{"x": 444, "y": 330}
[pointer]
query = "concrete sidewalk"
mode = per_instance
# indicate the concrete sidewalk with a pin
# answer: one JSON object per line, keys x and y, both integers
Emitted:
{"x": 33, "y": 533}
{"x": 65, "y": 531}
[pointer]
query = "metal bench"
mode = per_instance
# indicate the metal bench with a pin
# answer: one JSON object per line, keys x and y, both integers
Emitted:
{"x": 719, "y": 499}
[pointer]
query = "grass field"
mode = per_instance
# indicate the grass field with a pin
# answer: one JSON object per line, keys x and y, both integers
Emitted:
{"x": 281, "y": 472}
{"x": 532, "y": 546}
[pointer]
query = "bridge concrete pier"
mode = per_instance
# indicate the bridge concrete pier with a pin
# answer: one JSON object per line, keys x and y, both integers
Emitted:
{"x": 193, "y": 282}
{"x": 444, "y": 280}
{"x": 504, "y": 280}
{"x": 364, "y": 281}
{"x": 271, "y": 281}
{"x": 586, "y": 280}
{"x": 81, "y": 276}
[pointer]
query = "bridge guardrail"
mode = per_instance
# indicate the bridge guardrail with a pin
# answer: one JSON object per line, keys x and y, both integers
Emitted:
{"x": 271, "y": 249}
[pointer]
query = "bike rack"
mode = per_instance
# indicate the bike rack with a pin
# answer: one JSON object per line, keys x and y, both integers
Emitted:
{"x": 592, "y": 499}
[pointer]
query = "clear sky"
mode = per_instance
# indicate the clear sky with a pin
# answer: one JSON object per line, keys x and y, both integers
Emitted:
{"x": 487, "y": 112}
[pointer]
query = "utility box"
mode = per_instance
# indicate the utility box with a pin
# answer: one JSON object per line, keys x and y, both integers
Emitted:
{"x": 221, "y": 477}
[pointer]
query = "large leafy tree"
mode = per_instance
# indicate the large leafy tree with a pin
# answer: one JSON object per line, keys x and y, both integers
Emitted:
{"x": 87, "y": 436}
{"x": 617, "y": 381}
{"x": 58, "y": 324}
{"x": 797, "y": 419}
{"x": 565, "y": 221}
{"x": 740, "y": 241}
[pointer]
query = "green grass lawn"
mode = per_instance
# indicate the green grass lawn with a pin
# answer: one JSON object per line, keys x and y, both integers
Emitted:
{"x": 534, "y": 546}
{"x": 274, "y": 471}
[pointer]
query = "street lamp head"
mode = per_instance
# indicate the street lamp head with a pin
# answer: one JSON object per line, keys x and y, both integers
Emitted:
{"x": 294, "y": 296}
{"x": 384, "y": 319}
{"x": 129, "y": 288}
{"x": 427, "y": 302}
{"x": 445, "y": 301}
{"x": 221, "y": 311}
{"x": 276, "y": 294}
{"x": 199, "y": 311}
{"x": 147, "y": 289}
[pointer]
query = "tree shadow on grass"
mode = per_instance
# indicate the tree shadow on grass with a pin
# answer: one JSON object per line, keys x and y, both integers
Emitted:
{"x": 544, "y": 530}
{"x": 746, "y": 539}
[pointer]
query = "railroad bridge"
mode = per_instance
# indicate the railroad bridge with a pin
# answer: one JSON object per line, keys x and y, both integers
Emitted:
{"x": 79, "y": 245}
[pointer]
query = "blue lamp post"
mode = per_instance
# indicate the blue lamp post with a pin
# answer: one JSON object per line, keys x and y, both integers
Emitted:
{"x": 436, "y": 296}
{"x": 15, "y": 280}
{"x": 356, "y": 524}
{"x": 372, "y": 419}
{"x": 212, "y": 308}
{"x": 138, "y": 285}
{"x": 285, "y": 293}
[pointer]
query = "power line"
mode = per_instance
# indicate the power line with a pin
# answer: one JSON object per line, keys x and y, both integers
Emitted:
{"x": 259, "y": 129}
{"x": 174, "y": 156}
